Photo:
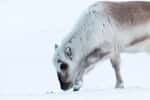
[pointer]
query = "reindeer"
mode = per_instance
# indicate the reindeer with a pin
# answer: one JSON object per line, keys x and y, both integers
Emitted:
{"x": 103, "y": 31}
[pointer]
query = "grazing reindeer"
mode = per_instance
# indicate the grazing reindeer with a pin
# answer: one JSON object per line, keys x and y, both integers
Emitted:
{"x": 105, "y": 30}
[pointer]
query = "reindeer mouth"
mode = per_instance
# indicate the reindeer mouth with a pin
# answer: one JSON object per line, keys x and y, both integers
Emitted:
{"x": 63, "y": 84}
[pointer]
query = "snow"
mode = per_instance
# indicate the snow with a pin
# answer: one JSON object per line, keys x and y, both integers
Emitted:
{"x": 106, "y": 94}
{"x": 28, "y": 31}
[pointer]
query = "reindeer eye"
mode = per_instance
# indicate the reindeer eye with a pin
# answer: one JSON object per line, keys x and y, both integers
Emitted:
{"x": 64, "y": 66}
{"x": 59, "y": 61}
{"x": 68, "y": 52}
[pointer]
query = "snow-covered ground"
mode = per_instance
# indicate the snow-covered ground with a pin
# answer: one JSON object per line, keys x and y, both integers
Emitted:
{"x": 28, "y": 31}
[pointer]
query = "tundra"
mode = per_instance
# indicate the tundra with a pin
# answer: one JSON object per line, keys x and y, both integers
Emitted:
{"x": 104, "y": 31}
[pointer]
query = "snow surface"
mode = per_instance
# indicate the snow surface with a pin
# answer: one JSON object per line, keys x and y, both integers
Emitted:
{"x": 28, "y": 31}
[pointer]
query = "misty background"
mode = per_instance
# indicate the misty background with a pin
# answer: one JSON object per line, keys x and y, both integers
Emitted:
{"x": 28, "y": 31}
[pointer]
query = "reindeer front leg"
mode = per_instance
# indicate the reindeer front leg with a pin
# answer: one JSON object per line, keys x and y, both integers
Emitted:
{"x": 77, "y": 85}
{"x": 115, "y": 61}
{"x": 78, "y": 82}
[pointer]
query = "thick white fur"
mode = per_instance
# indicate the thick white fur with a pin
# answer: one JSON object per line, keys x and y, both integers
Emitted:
{"x": 97, "y": 29}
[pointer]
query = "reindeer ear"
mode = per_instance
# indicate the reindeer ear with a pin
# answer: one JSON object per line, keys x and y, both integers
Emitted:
{"x": 56, "y": 46}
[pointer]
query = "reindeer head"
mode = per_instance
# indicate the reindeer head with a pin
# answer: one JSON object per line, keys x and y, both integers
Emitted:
{"x": 64, "y": 63}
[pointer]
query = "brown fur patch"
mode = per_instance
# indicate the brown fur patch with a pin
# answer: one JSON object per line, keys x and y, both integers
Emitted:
{"x": 129, "y": 13}
{"x": 139, "y": 39}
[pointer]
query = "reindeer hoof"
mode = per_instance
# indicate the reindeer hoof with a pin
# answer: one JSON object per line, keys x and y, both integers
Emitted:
{"x": 77, "y": 86}
{"x": 119, "y": 86}
{"x": 76, "y": 89}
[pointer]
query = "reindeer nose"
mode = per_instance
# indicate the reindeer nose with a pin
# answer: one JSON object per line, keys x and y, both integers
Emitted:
{"x": 63, "y": 84}
{"x": 64, "y": 66}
